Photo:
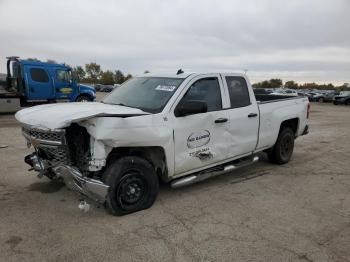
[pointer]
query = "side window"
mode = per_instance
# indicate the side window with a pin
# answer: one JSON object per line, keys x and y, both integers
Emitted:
{"x": 207, "y": 90}
{"x": 238, "y": 91}
{"x": 39, "y": 75}
{"x": 63, "y": 76}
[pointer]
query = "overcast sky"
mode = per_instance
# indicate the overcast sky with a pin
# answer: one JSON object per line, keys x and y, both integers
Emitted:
{"x": 304, "y": 40}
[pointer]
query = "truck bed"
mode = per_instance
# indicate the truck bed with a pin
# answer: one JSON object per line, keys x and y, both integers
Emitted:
{"x": 274, "y": 109}
{"x": 267, "y": 98}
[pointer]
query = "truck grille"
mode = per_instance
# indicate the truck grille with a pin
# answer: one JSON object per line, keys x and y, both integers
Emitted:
{"x": 55, "y": 155}
{"x": 49, "y": 136}
{"x": 51, "y": 145}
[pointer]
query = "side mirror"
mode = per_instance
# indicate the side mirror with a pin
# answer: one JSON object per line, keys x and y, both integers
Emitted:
{"x": 190, "y": 107}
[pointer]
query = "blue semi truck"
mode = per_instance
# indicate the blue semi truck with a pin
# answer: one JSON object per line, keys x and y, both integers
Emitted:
{"x": 31, "y": 82}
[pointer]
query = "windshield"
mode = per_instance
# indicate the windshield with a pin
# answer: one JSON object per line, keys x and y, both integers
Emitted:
{"x": 345, "y": 93}
{"x": 149, "y": 94}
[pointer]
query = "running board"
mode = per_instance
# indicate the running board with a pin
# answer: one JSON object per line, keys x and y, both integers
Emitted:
{"x": 212, "y": 172}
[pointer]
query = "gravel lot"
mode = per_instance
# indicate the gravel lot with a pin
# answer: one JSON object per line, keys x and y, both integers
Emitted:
{"x": 296, "y": 212}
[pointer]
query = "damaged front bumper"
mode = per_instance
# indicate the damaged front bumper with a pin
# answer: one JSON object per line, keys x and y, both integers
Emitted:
{"x": 73, "y": 178}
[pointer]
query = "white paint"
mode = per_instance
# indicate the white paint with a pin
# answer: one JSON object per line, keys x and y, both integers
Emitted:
{"x": 61, "y": 115}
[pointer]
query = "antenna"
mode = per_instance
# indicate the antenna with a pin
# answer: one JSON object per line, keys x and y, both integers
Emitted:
{"x": 245, "y": 71}
{"x": 179, "y": 71}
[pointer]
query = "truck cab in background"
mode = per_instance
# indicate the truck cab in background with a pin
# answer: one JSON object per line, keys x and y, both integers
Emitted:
{"x": 39, "y": 82}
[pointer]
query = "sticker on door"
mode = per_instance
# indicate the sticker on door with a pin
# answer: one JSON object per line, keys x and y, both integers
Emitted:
{"x": 198, "y": 139}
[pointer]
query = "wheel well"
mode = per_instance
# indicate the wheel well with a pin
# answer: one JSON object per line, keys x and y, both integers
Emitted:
{"x": 85, "y": 95}
{"x": 154, "y": 155}
{"x": 291, "y": 123}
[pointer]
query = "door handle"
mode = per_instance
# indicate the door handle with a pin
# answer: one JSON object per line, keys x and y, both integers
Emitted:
{"x": 221, "y": 120}
{"x": 252, "y": 115}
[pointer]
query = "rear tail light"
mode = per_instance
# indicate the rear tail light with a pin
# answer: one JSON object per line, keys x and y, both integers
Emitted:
{"x": 308, "y": 110}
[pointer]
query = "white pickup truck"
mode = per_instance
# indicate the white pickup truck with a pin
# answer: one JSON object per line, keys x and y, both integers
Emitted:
{"x": 181, "y": 128}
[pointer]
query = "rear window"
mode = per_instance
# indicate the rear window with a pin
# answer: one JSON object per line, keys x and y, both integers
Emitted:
{"x": 238, "y": 91}
{"x": 39, "y": 75}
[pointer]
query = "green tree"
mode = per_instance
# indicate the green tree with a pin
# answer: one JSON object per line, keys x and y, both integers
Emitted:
{"x": 275, "y": 83}
{"x": 107, "y": 78}
{"x": 119, "y": 77}
{"x": 78, "y": 73}
{"x": 93, "y": 72}
{"x": 128, "y": 77}
{"x": 291, "y": 84}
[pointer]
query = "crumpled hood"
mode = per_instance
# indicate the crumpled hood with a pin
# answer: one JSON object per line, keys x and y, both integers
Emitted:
{"x": 61, "y": 115}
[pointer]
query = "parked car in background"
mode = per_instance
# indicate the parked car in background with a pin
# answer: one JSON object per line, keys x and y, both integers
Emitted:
{"x": 261, "y": 91}
{"x": 342, "y": 98}
{"x": 107, "y": 88}
{"x": 326, "y": 96}
{"x": 285, "y": 92}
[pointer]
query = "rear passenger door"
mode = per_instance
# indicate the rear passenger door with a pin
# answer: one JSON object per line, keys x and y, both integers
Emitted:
{"x": 39, "y": 83}
{"x": 243, "y": 116}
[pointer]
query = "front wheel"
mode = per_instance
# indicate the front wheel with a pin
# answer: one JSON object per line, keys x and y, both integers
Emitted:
{"x": 283, "y": 149}
{"x": 321, "y": 100}
{"x": 133, "y": 185}
{"x": 83, "y": 98}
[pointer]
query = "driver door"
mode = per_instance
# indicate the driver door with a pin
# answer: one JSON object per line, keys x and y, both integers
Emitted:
{"x": 201, "y": 139}
{"x": 63, "y": 83}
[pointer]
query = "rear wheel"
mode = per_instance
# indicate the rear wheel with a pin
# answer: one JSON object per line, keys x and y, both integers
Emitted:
{"x": 283, "y": 149}
{"x": 133, "y": 185}
{"x": 321, "y": 100}
{"x": 347, "y": 102}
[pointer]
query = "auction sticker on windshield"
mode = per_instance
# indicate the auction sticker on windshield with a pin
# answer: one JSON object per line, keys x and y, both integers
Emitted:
{"x": 166, "y": 88}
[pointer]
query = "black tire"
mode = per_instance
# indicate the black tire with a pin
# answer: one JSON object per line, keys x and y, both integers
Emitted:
{"x": 133, "y": 185}
{"x": 335, "y": 102}
{"x": 83, "y": 98}
{"x": 321, "y": 100}
{"x": 283, "y": 149}
{"x": 347, "y": 102}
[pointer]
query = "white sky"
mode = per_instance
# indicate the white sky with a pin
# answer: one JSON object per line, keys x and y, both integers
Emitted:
{"x": 303, "y": 40}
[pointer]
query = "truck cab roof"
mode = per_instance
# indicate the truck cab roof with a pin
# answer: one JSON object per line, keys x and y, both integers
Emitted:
{"x": 40, "y": 63}
{"x": 186, "y": 74}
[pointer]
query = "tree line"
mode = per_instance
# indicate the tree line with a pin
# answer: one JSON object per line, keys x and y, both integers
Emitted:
{"x": 278, "y": 83}
{"x": 93, "y": 74}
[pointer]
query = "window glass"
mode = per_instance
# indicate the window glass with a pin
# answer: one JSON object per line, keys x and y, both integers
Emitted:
{"x": 206, "y": 90}
{"x": 149, "y": 94}
{"x": 63, "y": 75}
{"x": 238, "y": 91}
{"x": 39, "y": 75}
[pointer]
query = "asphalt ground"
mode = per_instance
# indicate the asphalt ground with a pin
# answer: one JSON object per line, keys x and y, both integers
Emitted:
{"x": 296, "y": 212}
